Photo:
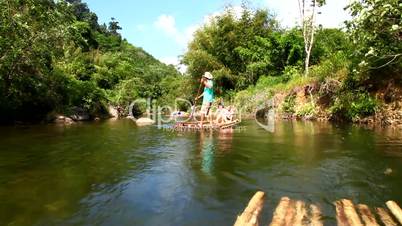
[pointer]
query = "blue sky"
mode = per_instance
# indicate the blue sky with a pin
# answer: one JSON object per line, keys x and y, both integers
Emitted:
{"x": 163, "y": 28}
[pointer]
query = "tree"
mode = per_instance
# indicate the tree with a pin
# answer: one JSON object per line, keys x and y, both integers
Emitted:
{"x": 308, "y": 14}
{"x": 114, "y": 26}
{"x": 55, "y": 57}
{"x": 376, "y": 32}
{"x": 225, "y": 47}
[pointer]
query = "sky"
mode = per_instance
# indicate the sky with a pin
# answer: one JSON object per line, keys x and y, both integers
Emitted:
{"x": 164, "y": 28}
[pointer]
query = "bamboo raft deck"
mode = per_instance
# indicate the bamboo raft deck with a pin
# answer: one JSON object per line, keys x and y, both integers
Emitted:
{"x": 297, "y": 213}
{"x": 183, "y": 126}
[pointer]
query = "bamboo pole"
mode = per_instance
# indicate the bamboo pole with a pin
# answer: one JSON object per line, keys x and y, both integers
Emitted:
{"x": 290, "y": 213}
{"x": 395, "y": 209}
{"x": 385, "y": 217}
{"x": 367, "y": 217}
{"x": 315, "y": 219}
{"x": 250, "y": 215}
{"x": 280, "y": 212}
{"x": 340, "y": 214}
{"x": 301, "y": 214}
{"x": 346, "y": 213}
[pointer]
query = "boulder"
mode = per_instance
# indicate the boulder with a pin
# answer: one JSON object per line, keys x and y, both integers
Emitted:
{"x": 144, "y": 121}
{"x": 130, "y": 117}
{"x": 79, "y": 114}
{"x": 113, "y": 112}
{"x": 61, "y": 119}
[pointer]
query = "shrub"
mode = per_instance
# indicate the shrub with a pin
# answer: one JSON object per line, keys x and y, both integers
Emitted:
{"x": 352, "y": 106}
{"x": 288, "y": 105}
{"x": 307, "y": 109}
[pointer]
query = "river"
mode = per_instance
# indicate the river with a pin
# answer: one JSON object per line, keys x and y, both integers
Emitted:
{"x": 114, "y": 173}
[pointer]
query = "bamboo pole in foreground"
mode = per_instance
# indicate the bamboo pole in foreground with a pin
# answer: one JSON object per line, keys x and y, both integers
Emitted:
{"x": 280, "y": 212}
{"x": 346, "y": 213}
{"x": 315, "y": 216}
{"x": 395, "y": 209}
{"x": 367, "y": 217}
{"x": 250, "y": 215}
{"x": 301, "y": 214}
{"x": 385, "y": 217}
{"x": 296, "y": 213}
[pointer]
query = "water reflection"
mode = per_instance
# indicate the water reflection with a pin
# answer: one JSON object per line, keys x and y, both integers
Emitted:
{"x": 207, "y": 151}
{"x": 213, "y": 144}
{"x": 225, "y": 140}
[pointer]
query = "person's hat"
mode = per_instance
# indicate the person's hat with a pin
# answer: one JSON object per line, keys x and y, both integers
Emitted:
{"x": 208, "y": 75}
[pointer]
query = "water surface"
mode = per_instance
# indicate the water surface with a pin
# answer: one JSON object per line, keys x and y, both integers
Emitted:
{"x": 114, "y": 173}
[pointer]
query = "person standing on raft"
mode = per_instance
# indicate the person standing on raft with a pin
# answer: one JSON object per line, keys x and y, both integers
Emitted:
{"x": 208, "y": 95}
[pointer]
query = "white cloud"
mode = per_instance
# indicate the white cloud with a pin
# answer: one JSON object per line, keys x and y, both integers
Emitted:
{"x": 189, "y": 33}
{"x": 333, "y": 13}
{"x": 287, "y": 12}
{"x": 175, "y": 62}
{"x": 167, "y": 24}
{"x": 170, "y": 60}
{"x": 236, "y": 10}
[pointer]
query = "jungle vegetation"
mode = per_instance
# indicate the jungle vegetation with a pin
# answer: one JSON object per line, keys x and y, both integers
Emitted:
{"x": 54, "y": 56}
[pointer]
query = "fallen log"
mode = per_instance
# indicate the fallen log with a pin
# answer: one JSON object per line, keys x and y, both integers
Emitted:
{"x": 250, "y": 215}
{"x": 395, "y": 209}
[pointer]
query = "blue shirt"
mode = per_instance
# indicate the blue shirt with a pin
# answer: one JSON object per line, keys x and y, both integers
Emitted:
{"x": 208, "y": 93}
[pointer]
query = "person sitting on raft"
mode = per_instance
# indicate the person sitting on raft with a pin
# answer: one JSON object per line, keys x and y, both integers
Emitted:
{"x": 178, "y": 114}
{"x": 208, "y": 95}
{"x": 224, "y": 115}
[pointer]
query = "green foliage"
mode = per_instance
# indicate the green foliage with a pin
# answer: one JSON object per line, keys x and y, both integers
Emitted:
{"x": 55, "y": 56}
{"x": 288, "y": 105}
{"x": 376, "y": 30}
{"x": 351, "y": 106}
{"x": 336, "y": 65}
{"x": 233, "y": 48}
{"x": 306, "y": 110}
{"x": 241, "y": 50}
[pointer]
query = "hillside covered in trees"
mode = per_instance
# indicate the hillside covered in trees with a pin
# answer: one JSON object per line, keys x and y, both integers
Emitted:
{"x": 355, "y": 72}
{"x": 55, "y": 57}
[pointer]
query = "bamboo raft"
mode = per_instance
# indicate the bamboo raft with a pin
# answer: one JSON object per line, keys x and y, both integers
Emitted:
{"x": 183, "y": 126}
{"x": 297, "y": 213}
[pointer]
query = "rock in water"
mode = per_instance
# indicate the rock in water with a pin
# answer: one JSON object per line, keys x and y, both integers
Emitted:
{"x": 79, "y": 114}
{"x": 144, "y": 121}
{"x": 61, "y": 119}
{"x": 388, "y": 171}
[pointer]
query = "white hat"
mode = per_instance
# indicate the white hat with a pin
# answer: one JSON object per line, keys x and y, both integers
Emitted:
{"x": 208, "y": 75}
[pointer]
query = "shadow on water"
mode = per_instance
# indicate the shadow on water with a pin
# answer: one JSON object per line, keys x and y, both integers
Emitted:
{"x": 113, "y": 173}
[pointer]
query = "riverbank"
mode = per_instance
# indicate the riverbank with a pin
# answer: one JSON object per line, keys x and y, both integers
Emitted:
{"x": 326, "y": 100}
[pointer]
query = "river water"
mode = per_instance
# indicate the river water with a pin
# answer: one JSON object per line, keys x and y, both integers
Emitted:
{"x": 114, "y": 173}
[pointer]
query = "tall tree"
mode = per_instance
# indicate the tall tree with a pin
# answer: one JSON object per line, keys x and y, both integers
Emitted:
{"x": 308, "y": 14}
